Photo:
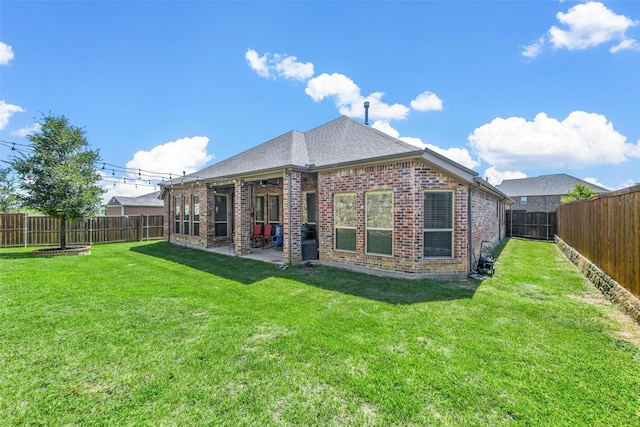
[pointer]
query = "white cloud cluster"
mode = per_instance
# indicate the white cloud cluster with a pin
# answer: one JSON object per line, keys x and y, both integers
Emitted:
{"x": 580, "y": 140}
{"x": 270, "y": 66}
{"x": 6, "y": 111}
{"x": 349, "y": 100}
{"x": 495, "y": 177}
{"x": 427, "y": 101}
{"x": 6, "y": 53}
{"x": 345, "y": 93}
{"x": 185, "y": 154}
{"x": 586, "y": 25}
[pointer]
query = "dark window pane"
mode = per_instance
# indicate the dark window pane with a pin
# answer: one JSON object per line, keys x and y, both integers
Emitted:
{"x": 221, "y": 208}
{"x": 274, "y": 208}
{"x": 260, "y": 208}
{"x": 380, "y": 242}
{"x": 311, "y": 207}
{"x": 438, "y": 243}
{"x": 177, "y": 227}
{"x": 221, "y": 229}
{"x": 438, "y": 209}
{"x": 196, "y": 229}
{"x": 346, "y": 239}
{"x": 186, "y": 227}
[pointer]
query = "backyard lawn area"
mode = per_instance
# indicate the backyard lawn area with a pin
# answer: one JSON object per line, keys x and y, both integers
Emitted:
{"x": 158, "y": 334}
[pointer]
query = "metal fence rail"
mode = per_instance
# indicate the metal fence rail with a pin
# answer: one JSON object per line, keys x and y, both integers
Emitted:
{"x": 24, "y": 230}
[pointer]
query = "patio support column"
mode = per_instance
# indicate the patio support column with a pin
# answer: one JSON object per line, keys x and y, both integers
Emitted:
{"x": 242, "y": 215}
{"x": 292, "y": 217}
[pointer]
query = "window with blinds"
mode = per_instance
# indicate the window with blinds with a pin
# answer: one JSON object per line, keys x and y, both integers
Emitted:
{"x": 438, "y": 224}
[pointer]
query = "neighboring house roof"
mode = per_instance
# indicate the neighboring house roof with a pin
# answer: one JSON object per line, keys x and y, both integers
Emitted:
{"x": 544, "y": 185}
{"x": 147, "y": 200}
{"x": 338, "y": 143}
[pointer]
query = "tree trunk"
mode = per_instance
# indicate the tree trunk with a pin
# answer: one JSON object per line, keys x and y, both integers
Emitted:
{"x": 63, "y": 233}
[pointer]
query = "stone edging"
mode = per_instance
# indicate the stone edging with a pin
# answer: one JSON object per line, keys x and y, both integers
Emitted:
{"x": 611, "y": 289}
{"x": 73, "y": 250}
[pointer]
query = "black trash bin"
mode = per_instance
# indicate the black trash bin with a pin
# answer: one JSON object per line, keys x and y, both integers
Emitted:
{"x": 309, "y": 249}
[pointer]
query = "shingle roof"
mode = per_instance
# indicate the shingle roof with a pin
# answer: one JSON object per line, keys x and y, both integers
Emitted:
{"x": 150, "y": 199}
{"x": 544, "y": 185}
{"x": 342, "y": 140}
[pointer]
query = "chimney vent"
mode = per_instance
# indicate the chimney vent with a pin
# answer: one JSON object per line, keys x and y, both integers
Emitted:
{"x": 366, "y": 113}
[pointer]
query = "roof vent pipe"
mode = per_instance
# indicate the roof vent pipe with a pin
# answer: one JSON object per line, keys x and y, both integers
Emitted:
{"x": 366, "y": 113}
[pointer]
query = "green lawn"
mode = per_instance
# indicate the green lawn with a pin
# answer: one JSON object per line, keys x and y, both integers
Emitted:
{"x": 156, "y": 334}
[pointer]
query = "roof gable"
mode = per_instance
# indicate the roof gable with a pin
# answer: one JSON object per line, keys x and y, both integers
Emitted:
{"x": 147, "y": 200}
{"x": 342, "y": 140}
{"x": 544, "y": 185}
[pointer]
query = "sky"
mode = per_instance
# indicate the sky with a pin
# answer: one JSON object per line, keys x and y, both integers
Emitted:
{"x": 510, "y": 89}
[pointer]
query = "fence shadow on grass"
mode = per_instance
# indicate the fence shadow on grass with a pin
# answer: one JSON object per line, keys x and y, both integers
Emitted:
{"x": 247, "y": 271}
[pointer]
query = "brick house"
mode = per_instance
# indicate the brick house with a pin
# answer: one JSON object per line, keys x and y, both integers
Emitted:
{"x": 542, "y": 193}
{"x": 373, "y": 201}
{"x": 146, "y": 204}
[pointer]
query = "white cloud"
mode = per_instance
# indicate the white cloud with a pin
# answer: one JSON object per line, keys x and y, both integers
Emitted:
{"x": 6, "y": 53}
{"x": 384, "y": 126}
{"x": 459, "y": 155}
{"x": 427, "y": 101}
{"x": 626, "y": 184}
{"x": 6, "y": 111}
{"x": 584, "y": 26}
{"x": 495, "y": 177}
{"x": 582, "y": 139}
{"x": 595, "y": 181}
{"x": 285, "y": 66}
{"x": 349, "y": 100}
{"x": 257, "y": 63}
{"x": 185, "y": 154}
{"x": 22, "y": 132}
{"x": 290, "y": 68}
{"x": 534, "y": 49}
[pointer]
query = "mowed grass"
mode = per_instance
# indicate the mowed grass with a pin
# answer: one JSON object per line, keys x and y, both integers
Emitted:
{"x": 157, "y": 334}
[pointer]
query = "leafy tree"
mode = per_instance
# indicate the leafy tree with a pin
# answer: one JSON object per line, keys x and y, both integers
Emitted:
{"x": 579, "y": 192}
{"x": 9, "y": 199}
{"x": 58, "y": 175}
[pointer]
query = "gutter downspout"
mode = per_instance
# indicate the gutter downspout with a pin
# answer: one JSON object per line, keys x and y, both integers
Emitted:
{"x": 169, "y": 217}
{"x": 470, "y": 231}
{"x": 288, "y": 174}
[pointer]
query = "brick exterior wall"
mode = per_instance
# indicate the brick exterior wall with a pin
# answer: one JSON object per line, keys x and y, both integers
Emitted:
{"x": 407, "y": 180}
{"x": 169, "y": 225}
{"x": 487, "y": 220}
{"x": 537, "y": 203}
{"x": 243, "y": 226}
{"x": 292, "y": 218}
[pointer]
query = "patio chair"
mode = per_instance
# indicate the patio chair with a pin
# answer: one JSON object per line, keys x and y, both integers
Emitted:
{"x": 257, "y": 238}
{"x": 266, "y": 237}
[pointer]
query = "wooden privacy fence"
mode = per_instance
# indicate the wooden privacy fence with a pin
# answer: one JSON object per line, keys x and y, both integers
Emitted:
{"x": 532, "y": 225}
{"x": 605, "y": 229}
{"x": 23, "y": 230}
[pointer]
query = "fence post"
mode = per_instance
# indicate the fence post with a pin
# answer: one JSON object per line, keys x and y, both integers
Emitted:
{"x": 91, "y": 231}
{"x": 141, "y": 229}
{"x": 146, "y": 217}
{"x": 26, "y": 228}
